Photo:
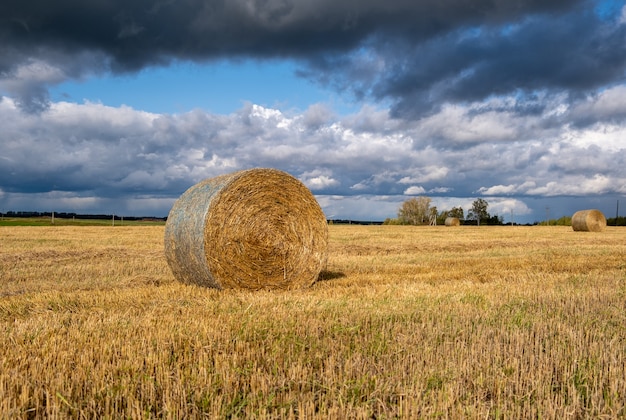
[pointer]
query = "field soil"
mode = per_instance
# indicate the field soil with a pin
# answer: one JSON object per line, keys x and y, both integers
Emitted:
{"x": 405, "y": 322}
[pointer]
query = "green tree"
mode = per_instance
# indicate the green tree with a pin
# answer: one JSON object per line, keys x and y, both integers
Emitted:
{"x": 391, "y": 221}
{"x": 479, "y": 211}
{"x": 456, "y": 212}
{"x": 415, "y": 211}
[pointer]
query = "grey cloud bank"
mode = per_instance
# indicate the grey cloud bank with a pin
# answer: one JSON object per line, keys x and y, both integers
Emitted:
{"x": 522, "y": 103}
{"x": 90, "y": 157}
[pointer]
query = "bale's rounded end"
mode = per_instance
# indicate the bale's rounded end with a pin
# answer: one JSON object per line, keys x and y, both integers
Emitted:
{"x": 452, "y": 221}
{"x": 253, "y": 229}
{"x": 588, "y": 221}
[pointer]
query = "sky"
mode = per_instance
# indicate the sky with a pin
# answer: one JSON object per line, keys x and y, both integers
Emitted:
{"x": 117, "y": 107}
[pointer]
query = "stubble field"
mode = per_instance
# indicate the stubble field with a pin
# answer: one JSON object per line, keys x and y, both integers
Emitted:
{"x": 406, "y": 322}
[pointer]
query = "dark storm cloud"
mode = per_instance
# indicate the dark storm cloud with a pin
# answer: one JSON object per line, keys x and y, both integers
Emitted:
{"x": 142, "y": 32}
{"x": 574, "y": 52}
{"x": 126, "y": 36}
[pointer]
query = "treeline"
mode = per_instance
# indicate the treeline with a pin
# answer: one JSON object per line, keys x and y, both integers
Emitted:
{"x": 441, "y": 219}
{"x": 418, "y": 211}
{"x": 64, "y": 215}
{"x": 616, "y": 221}
{"x": 352, "y": 222}
{"x": 567, "y": 221}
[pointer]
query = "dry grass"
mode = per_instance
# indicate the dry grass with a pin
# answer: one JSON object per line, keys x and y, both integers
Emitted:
{"x": 427, "y": 322}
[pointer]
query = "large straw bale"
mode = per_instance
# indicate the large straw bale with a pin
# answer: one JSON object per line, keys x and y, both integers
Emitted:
{"x": 252, "y": 229}
{"x": 452, "y": 221}
{"x": 588, "y": 221}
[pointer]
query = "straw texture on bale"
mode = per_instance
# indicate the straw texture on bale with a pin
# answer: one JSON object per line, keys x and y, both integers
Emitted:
{"x": 452, "y": 221}
{"x": 252, "y": 229}
{"x": 588, "y": 221}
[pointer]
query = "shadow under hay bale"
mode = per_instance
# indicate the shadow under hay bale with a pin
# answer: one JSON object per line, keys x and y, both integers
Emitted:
{"x": 588, "y": 221}
{"x": 452, "y": 221}
{"x": 252, "y": 229}
{"x": 326, "y": 275}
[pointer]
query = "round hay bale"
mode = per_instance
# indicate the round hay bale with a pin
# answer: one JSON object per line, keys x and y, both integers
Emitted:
{"x": 252, "y": 229}
{"x": 588, "y": 221}
{"x": 452, "y": 221}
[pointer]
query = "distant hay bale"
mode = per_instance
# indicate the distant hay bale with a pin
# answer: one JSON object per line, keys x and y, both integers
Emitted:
{"x": 588, "y": 221}
{"x": 252, "y": 229}
{"x": 453, "y": 221}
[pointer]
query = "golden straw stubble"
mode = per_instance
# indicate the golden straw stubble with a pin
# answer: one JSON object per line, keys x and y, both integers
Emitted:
{"x": 252, "y": 229}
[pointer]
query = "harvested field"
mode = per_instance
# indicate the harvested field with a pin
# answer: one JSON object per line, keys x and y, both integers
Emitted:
{"x": 410, "y": 322}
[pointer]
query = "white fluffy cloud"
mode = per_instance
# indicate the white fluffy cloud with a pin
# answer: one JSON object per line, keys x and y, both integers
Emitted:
{"x": 92, "y": 157}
